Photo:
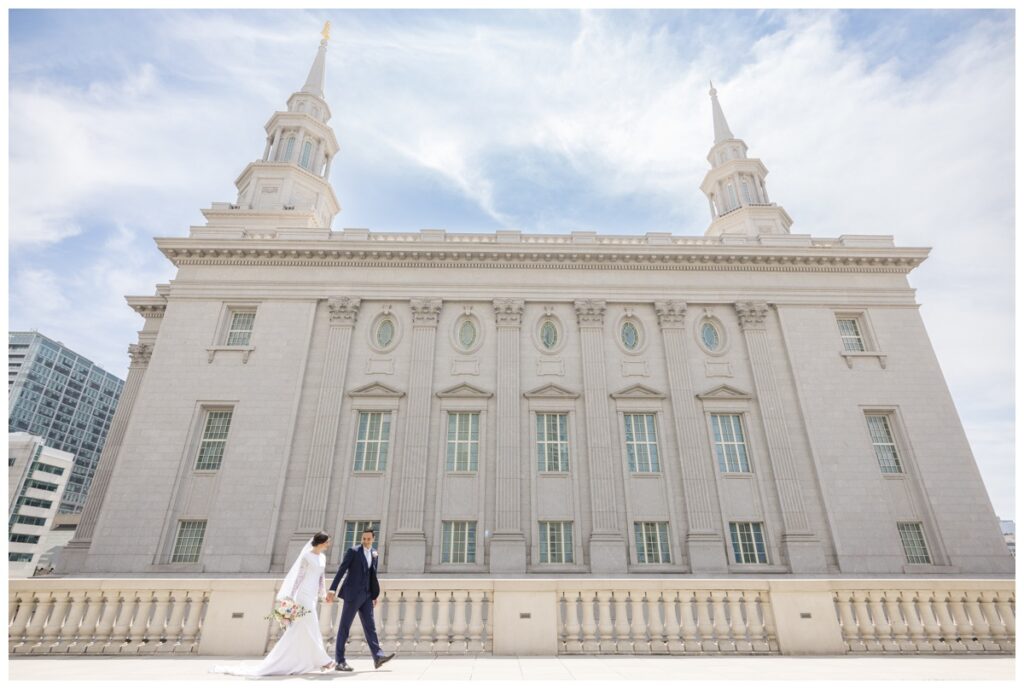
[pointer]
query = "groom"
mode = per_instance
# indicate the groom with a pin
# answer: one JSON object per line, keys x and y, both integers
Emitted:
{"x": 359, "y": 593}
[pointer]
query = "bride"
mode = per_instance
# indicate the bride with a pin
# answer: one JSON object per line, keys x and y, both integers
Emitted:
{"x": 301, "y": 648}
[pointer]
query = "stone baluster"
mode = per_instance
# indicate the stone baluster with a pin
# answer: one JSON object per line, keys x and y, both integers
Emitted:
{"x": 408, "y": 544}
{"x": 40, "y": 615}
{"x": 475, "y": 640}
{"x": 637, "y": 626}
{"x": 705, "y": 629}
{"x": 16, "y": 630}
{"x": 73, "y": 634}
{"x": 623, "y": 644}
{"x": 865, "y": 625}
{"x": 982, "y": 630}
{"x": 604, "y": 621}
{"x": 119, "y": 635}
{"x": 997, "y": 629}
{"x": 673, "y": 631}
{"x": 409, "y": 622}
{"x": 964, "y": 628}
{"x": 322, "y": 450}
{"x": 931, "y": 624}
{"x": 572, "y": 624}
{"x": 946, "y": 622}
{"x": 426, "y": 630}
{"x": 688, "y": 617}
{"x": 883, "y": 628}
{"x": 157, "y": 628}
{"x": 848, "y": 626}
{"x": 190, "y": 631}
{"x": 389, "y": 630}
{"x": 459, "y": 640}
{"x": 590, "y": 643}
{"x": 755, "y": 625}
{"x": 900, "y": 629}
{"x": 54, "y": 624}
{"x": 140, "y": 624}
{"x": 489, "y": 647}
{"x": 1004, "y": 604}
{"x": 175, "y": 622}
{"x": 105, "y": 625}
{"x": 721, "y": 623}
{"x": 443, "y": 626}
{"x": 768, "y": 615}
{"x": 737, "y": 629}
{"x": 917, "y": 640}
{"x": 654, "y": 623}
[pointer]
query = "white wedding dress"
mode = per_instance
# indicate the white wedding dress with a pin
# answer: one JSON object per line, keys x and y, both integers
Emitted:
{"x": 301, "y": 648}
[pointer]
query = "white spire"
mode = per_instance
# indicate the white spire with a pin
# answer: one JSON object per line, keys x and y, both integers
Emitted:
{"x": 315, "y": 81}
{"x": 722, "y": 132}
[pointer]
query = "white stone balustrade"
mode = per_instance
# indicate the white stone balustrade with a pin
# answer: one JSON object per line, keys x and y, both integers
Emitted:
{"x": 671, "y": 615}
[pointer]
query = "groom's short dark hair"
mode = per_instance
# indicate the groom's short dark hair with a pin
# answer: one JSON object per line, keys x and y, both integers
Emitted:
{"x": 369, "y": 531}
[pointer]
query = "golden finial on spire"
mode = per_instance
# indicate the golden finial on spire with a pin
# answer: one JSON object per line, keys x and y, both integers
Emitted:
{"x": 326, "y": 33}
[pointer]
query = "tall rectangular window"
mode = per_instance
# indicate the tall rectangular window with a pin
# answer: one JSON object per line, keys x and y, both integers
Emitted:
{"x": 240, "y": 329}
{"x": 372, "y": 441}
{"x": 463, "y": 441}
{"x": 884, "y": 443}
{"x": 189, "y": 540}
{"x": 748, "y": 542}
{"x": 552, "y": 442}
{"x": 458, "y": 542}
{"x": 556, "y": 542}
{"x": 850, "y": 331}
{"x": 730, "y": 445}
{"x": 354, "y": 533}
{"x": 215, "y": 435}
{"x": 914, "y": 546}
{"x": 641, "y": 443}
{"x": 651, "y": 542}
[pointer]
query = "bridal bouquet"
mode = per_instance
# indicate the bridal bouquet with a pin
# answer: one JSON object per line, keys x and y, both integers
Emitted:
{"x": 286, "y": 611}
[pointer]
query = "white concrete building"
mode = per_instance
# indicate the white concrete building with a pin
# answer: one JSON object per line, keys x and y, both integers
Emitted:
{"x": 38, "y": 476}
{"x": 742, "y": 401}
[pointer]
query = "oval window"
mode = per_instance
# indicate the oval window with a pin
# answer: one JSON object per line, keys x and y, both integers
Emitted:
{"x": 385, "y": 332}
{"x": 709, "y": 335}
{"x": 630, "y": 336}
{"x": 467, "y": 334}
{"x": 549, "y": 334}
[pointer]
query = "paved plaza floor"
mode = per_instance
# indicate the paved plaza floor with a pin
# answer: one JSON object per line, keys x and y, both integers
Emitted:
{"x": 616, "y": 668}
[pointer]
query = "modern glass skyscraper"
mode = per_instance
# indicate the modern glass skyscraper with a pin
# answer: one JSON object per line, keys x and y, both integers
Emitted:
{"x": 64, "y": 398}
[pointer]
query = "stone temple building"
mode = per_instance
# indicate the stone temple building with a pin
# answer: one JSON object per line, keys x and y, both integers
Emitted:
{"x": 743, "y": 401}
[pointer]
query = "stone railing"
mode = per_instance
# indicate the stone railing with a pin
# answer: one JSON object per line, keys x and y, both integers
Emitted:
{"x": 529, "y": 616}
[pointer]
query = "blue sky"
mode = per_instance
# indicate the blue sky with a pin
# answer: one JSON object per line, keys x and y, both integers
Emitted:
{"x": 123, "y": 124}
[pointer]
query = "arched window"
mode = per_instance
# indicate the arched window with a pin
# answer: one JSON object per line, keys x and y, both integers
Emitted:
{"x": 307, "y": 148}
{"x": 731, "y": 191}
{"x": 289, "y": 149}
{"x": 746, "y": 191}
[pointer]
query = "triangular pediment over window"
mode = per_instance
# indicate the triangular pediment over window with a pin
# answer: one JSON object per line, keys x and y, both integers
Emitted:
{"x": 725, "y": 392}
{"x": 375, "y": 390}
{"x": 638, "y": 392}
{"x": 551, "y": 391}
{"x": 464, "y": 390}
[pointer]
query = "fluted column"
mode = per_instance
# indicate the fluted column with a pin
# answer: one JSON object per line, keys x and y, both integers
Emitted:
{"x": 343, "y": 312}
{"x": 804, "y": 551}
{"x": 72, "y": 556}
{"x": 508, "y": 545}
{"x": 607, "y": 547}
{"x": 705, "y": 551}
{"x": 408, "y": 546}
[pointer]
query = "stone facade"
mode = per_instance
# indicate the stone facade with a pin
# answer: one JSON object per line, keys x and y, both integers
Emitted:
{"x": 398, "y": 378}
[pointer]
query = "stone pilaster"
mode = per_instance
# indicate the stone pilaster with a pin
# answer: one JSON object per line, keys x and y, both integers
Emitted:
{"x": 73, "y": 555}
{"x": 408, "y": 545}
{"x": 508, "y": 545}
{"x": 607, "y": 546}
{"x": 312, "y": 514}
{"x": 803, "y": 549}
{"x": 705, "y": 549}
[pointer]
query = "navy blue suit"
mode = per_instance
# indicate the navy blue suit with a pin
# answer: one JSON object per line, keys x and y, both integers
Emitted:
{"x": 358, "y": 592}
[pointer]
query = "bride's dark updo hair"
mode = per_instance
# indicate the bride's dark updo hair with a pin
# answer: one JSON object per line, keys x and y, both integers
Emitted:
{"x": 320, "y": 537}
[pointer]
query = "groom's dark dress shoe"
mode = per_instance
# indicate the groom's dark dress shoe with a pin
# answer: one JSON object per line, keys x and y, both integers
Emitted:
{"x": 343, "y": 667}
{"x": 380, "y": 660}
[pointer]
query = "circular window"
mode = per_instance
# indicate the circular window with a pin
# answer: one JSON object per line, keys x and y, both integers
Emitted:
{"x": 549, "y": 335}
{"x": 385, "y": 333}
{"x": 630, "y": 336}
{"x": 709, "y": 336}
